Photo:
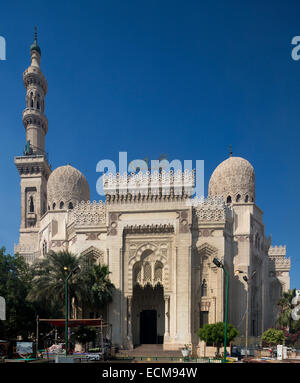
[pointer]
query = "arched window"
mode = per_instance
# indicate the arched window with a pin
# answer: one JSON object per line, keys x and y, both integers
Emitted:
{"x": 158, "y": 272}
{"x": 31, "y": 100}
{"x": 61, "y": 205}
{"x": 204, "y": 288}
{"x": 44, "y": 248}
{"x": 147, "y": 272}
{"x": 256, "y": 240}
{"x": 38, "y": 105}
{"x": 54, "y": 206}
{"x": 247, "y": 198}
{"x": 70, "y": 205}
{"x": 31, "y": 205}
{"x": 238, "y": 197}
{"x": 228, "y": 199}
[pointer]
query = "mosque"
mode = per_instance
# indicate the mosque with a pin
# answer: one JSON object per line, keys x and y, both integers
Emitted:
{"x": 159, "y": 245}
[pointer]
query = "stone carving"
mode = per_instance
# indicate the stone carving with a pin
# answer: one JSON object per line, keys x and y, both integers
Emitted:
{"x": 148, "y": 265}
{"x": 88, "y": 213}
{"x": 67, "y": 184}
{"x": 146, "y": 186}
{"x": 277, "y": 251}
{"x": 277, "y": 258}
{"x": 91, "y": 236}
{"x": 113, "y": 223}
{"x": 94, "y": 255}
{"x": 23, "y": 248}
{"x": 184, "y": 227}
{"x": 211, "y": 209}
{"x": 133, "y": 229}
{"x": 234, "y": 177}
{"x": 204, "y": 305}
{"x": 206, "y": 251}
{"x": 56, "y": 244}
{"x": 206, "y": 233}
{"x": 243, "y": 237}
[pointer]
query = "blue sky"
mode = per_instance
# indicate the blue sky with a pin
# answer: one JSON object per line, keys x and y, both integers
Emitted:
{"x": 185, "y": 78}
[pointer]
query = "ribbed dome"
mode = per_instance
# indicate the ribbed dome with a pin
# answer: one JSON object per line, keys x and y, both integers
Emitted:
{"x": 66, "y": 187}
{"x": 234, "y": 178}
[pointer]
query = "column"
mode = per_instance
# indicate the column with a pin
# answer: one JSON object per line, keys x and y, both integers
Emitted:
{"x": 129, "y": 318}
{"x": 152, "y": 273}
{"x": 167, "y": 316}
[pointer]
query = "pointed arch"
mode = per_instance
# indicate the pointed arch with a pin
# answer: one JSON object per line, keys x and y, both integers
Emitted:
{"x": 93, "y": 255}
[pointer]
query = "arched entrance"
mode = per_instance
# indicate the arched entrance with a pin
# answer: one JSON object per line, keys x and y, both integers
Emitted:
{"x": 148, "y": 314}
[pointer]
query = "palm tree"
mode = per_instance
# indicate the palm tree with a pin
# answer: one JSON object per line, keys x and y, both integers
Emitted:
{"x": 285, "y": 304}
{"x": 102, "y": 286}
{"x": 91, "y": 286}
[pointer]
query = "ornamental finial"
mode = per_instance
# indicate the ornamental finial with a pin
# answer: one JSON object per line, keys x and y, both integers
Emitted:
{"x": 230, "y": 151}
{"x": 35, "y": 34}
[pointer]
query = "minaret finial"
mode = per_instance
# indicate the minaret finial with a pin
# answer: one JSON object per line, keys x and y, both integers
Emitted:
{"x": 230, "y": 151}
{"x": 34, "y": 46}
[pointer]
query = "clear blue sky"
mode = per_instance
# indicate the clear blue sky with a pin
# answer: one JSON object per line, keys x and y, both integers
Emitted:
{"x": 186, "y": 78}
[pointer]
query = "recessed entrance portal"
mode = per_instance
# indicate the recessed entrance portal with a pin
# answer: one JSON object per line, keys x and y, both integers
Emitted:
{"x": 148, "y": 327}
{"x": 148, "y": 315}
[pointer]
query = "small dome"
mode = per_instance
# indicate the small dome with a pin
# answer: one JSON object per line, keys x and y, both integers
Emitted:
{"x": 66, "y": 187}
{"x": 35, "y": 47}
{"x": 234, "y": 179}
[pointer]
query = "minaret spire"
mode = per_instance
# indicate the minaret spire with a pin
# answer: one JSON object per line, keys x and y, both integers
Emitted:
{"x": 34, "y": 119}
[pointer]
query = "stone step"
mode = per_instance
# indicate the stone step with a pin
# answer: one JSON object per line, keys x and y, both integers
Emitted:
{"x": 150, "y": 350}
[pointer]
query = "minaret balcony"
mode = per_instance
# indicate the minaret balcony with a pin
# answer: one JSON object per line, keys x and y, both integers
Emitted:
{"x": 33, "y": 76}
{"x": 33, "y": 116}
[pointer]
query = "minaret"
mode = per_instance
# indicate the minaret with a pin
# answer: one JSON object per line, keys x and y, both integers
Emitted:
{"x": 34, "y": 120}
{"x": 33, "y": 165}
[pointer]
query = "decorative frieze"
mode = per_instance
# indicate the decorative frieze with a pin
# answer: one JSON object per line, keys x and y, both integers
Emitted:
{"x": 91, "y": 236}
{"x": 142, "y": 229}
{"x": 88, "y": 213}
{"x": 211, "y": 209}
{"x": 148, "y": 186}
{"x": 206, "y": 233}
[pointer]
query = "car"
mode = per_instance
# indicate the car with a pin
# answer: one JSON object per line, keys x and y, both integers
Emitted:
{"x": 236, "y": 351}
{"x": 94, "y": 356}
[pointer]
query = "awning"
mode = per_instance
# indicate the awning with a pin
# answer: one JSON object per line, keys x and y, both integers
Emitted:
{"x": 74, "y": 322}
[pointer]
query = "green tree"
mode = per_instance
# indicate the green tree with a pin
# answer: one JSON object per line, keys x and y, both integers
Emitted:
{"x": 91, "y": 286}
{"x": 214, "y": 333}
{"x": 15, "y": 284}
{"x": 272, "y": 336}
{"x": 102, "y": 287}
{"x": 284, "y": 319}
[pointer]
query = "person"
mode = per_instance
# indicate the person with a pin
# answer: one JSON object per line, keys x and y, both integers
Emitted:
{"x": 271, "y": 352}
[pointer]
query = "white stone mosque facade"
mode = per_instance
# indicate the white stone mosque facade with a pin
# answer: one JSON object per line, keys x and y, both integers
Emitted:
{"x": 158, "y": 244}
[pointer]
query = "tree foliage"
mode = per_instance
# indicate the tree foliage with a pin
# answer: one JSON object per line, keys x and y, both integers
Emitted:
{"x": 90, "y": 286}
{"x": 15, "y": 284}
{"x": 214, "y": 333}
{"x": 284, "y": 319}
{"x": 273, "y": 336}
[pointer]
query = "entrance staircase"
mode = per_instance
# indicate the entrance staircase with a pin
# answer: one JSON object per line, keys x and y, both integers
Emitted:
{"x": 151, "y": 352}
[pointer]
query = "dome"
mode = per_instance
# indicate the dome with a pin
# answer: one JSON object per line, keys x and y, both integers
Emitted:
{"x": 35, "y": 47}
{"x": 234, "y": 178}
{"x": 66, "y": 187}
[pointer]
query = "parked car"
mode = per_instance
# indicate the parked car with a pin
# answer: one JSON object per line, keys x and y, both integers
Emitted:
{"x": 236, "y": 352}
